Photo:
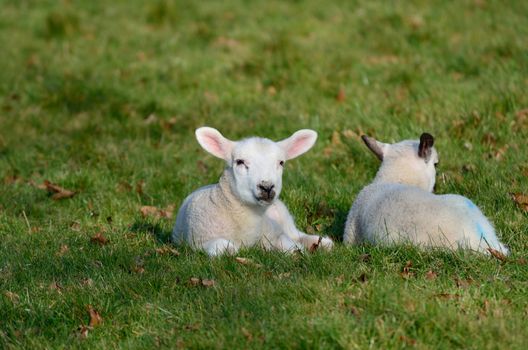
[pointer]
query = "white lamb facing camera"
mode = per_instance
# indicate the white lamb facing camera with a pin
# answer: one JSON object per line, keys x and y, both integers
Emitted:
{"x": 398, "y": 206}
{"x": 243, "y": 208}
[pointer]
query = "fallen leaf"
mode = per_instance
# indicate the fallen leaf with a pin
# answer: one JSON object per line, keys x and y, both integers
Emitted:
{"x": 431, "y": 275}
{"x": 489, "y": 139}
{"x": 58, "y": 192}
{"x": 15, "y": 298}
{"x": 138, "y": 265}
{"x": 336, "y": 138}
{"x": 151, "y": 211}
{"x": 500, "y": 152}
{"x": 406, "y": 271}
{"x": 407, "y": 340}
{"x": 208, "y": 283}
{"x": 521, "y": 200}
{"x": 355, "y": 311}
{"x": 461, "y": 283}
{"x": 246, "y": 261}
{"x": 447, "y": 296}
{"x": 83, "y": 331}
{"x": 140, "y": 186}
{"x": 75, "y": 226}
{"x": 63, "y": 250}
{"x": 284, "y": 275}
{"x": 272, "y": 91}
{"x": 194, "y": 281}
{"x": 56, "y": 287}
{"x": 193, "y": 327}
{"x": 521, "y": 261}
{"x": 87, "y": 282}
{"x": 364, "y": 257}
{"x": 204, "y": 169}
{"x": 98, "y": 238}
{"x": 246, "y": 334}
{"x": 167, "y": 251}
{"x": 497, "y": 255}
{"x": 315, "y": 246}
{"x": 151, "y": 119}
{"x": 95, "y": 317}
{"x": 341, "y": 96}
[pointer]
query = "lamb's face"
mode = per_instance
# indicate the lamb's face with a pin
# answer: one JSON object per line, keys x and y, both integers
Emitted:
{"x": 409, "y": 162}
{"x": 256, "y": 164}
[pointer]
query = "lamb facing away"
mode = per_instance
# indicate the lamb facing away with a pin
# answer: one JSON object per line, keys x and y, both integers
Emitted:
{"x": 243, "y": 209}
{"x": 398, "y": 206}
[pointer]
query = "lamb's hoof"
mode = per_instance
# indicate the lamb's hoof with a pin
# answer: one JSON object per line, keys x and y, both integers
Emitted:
{"x": 326, "y": 243}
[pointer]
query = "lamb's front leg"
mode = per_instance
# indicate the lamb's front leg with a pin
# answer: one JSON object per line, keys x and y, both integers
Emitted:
{"x": 281, "y": 218}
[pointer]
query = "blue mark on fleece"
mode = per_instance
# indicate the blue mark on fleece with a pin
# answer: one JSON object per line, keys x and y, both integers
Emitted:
{"x": 487, "y": 238}
{"x": 470, "y": 204}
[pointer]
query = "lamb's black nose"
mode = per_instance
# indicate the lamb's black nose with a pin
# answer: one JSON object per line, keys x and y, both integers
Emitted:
{"x": 266, "y": 190}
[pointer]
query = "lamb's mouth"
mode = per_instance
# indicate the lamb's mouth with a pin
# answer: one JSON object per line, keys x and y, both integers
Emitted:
{"x": 263, "y": 201}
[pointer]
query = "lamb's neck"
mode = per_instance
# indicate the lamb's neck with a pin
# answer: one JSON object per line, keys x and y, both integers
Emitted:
{"x": 230, "y": 200}
{"x": 388, "y": 177}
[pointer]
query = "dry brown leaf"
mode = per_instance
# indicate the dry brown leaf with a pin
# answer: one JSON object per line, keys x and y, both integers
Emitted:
{"x": 95, "y": 317}
{"x": 154, "y": 212}
{"x": 208, "y": 283}
{"x": 63, "y": 250}
{"x": 521, "y": 199}
{"x": 406, "y": 271}
{"x": 461, "y": 283}
{"x": 75, "y": 226}
{"x": 447, "y": 296}
{"x": 336, "y": 138}
{"x": 355, "y": 311}
{"x": 167, "y": 251}
{"x": 313, "y": 248}
{"x": 98, "y": 238}
{"x": 87, "y": 282}
{"x": 341, "y": 95}
{"x": 58, "y": 192}
{"x": 521, "y": 261}
{"x": 83, "y": 331}
{"x": 284, "y": 275}
{"x": 15, "y": 298}
{"x": 246, "y": 334}
{"x": 56, "y": 287}
{"x": 272, "y": 91}
{"x": 194, "y": 281}
{"x": 497, "y": 255}
{"x": 431, "y": 275}
{"x": 140, "y": 186}
{"x": 246, "y": 261}
{"x": 407, "y": 340}
{"x": 204, "y": 169}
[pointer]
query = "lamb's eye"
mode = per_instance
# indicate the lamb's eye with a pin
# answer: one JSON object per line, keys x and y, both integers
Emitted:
{"x": 436, "y": 164}
{"x": 239, "y": 162}
{"x": 281, "y": 163}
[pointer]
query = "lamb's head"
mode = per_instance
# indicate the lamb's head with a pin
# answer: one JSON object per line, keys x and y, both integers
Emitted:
{"x": 255, "y": 164}
{"x": 411, "y": 162}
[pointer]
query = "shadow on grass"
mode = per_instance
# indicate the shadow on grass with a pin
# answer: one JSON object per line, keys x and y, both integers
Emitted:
{"x": 151, "y": 228}
{"x": 337, "y": 227}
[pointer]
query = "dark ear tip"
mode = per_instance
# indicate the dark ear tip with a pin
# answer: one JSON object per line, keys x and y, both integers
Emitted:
{"x": 364, "y": 138}
{"x": 427, "y": 138}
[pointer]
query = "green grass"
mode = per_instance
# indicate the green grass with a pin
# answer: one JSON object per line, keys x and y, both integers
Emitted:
{"x": 99, "y": 97}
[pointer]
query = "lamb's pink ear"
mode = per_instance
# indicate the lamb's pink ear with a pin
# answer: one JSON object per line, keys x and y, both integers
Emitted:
{"x": 213, "y": 142}
{"x": 300, "y": 142}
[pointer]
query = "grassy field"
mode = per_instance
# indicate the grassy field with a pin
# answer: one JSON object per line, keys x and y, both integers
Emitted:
{"x": 102, "y": 98}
